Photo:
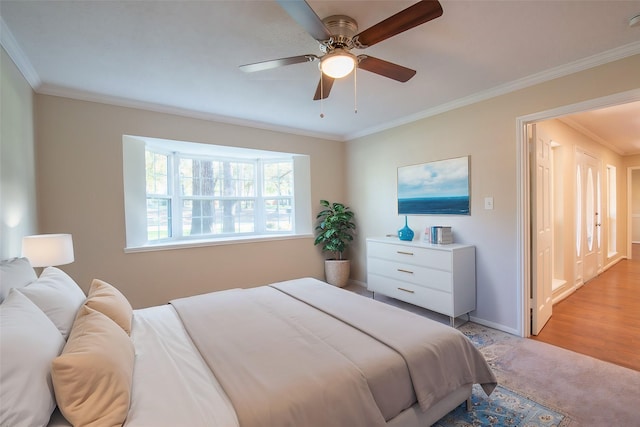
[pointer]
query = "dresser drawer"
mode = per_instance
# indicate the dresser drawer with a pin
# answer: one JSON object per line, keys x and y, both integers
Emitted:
{"x": 431, "y": 299}
{"x": 417, "y": 275}
{"x": 426, "y": 257}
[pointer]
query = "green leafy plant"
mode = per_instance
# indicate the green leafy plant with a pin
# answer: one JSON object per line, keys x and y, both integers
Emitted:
{"x": 335, "y": 228}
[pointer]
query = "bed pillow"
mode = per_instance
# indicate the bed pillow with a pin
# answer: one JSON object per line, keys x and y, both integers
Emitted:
{"x": 106, "y": 299}
{"x": 92, "y": 377}
{"x": 15, "y": 273}
{"x": 58, "y": 296}
{"x": 29, "y": 341}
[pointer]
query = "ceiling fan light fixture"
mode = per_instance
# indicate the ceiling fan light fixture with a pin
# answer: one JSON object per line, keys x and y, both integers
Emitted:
{"x": 338, "y": 63}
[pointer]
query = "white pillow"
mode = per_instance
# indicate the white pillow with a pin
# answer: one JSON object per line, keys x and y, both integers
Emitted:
{"x": 58, "y": 296}
{"x": 29, "y": 342}
{"x": 15, "y": 273}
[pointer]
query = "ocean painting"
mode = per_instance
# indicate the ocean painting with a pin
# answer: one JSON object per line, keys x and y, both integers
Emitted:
{"x": 436, "y": 188}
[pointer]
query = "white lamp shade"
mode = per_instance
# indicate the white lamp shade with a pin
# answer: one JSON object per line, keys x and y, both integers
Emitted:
{"x": 46, "y": 250}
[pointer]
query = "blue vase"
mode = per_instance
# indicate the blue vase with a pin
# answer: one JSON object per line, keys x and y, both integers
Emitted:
{"x": 405, "y": 233}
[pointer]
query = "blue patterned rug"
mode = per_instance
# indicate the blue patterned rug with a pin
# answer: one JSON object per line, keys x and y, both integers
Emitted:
{"x": 503, "y": 408}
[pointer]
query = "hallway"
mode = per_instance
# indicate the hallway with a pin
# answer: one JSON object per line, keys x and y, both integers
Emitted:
{"x": 602, "y": 318}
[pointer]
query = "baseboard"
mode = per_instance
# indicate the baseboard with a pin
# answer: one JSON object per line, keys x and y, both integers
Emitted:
{"x": 494, "y": 325}
{"x": 358, "y": 283}
{"x": 562, "y": 295}
{"x": 477, "y": 320}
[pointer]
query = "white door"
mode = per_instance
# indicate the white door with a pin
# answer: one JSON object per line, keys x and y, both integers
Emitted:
{"x": 590, "y": 217}
{"x": 541, "y": 227}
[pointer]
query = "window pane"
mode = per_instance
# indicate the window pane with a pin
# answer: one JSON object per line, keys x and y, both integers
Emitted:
{"x": 279, "y": 214}
{"x": 157, "y": 166}
{"x": 206, "y": 217}
{"x": 196, "y": 177}
{"x": 278, "y": 179}
{"x": 158, "y": 218}
{"x": 238, "y": 179}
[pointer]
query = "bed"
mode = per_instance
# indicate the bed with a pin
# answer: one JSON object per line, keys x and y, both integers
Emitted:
{"x": 293, "y": 353}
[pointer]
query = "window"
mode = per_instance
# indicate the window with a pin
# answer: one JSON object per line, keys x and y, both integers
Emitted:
{"x": 185, "y": 193}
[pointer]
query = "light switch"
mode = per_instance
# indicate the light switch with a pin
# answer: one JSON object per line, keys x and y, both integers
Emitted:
{"x": 488, "y": 202}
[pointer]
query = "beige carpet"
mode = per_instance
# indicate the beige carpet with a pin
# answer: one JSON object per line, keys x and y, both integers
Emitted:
{"x": 591, "y": 392}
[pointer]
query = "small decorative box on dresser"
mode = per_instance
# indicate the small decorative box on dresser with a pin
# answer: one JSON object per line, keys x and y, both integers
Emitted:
{"x": 441, "y": 278}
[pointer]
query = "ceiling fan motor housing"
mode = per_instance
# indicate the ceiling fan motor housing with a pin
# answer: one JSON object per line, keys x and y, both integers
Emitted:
{"x": 343, "y": 28}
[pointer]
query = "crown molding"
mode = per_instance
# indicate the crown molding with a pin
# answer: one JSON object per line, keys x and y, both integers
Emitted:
{"x": 17, "y": 55}
{"x": 79, "y": 95}
{"x": 534, "y": 79}
{"x": 586, "y": 132}
{"x": 9, "y": 43}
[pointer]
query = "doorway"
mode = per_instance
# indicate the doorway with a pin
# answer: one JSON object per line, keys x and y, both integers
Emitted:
{"x": 526, "y": 263}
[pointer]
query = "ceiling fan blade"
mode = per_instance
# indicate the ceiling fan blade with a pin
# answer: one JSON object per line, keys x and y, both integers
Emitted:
{"x": 385, "y": 68}
{"x": 275, "y": 63}
{"x": 324, "y": 87}
{"x": 415, "y": 15}
{"x": 302, "y": 13}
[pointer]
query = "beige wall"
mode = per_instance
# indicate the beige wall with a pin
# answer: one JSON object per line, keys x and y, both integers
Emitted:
{"x": 80, "y": 186}
{"x": 17, "y": 159}
{"x": 487, "y": 132}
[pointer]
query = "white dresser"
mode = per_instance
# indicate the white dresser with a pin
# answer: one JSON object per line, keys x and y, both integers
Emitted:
{"x": 441, "y": 278}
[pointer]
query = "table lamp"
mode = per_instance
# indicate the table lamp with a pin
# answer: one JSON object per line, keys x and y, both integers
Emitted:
{"x": 47, "y": 250}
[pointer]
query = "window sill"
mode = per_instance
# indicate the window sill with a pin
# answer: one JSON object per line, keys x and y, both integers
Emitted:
{"x": 217, "y": 242}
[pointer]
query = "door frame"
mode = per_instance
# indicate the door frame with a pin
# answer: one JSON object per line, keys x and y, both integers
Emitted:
{"x": 523, "y": 237}
{"x": 630, "y": 170}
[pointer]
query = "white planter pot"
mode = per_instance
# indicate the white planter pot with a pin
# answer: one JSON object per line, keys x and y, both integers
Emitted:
{"x": 337, "y": 271}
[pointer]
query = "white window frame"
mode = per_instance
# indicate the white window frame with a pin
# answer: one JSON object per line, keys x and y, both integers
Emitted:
{"x": 135, "y": 197}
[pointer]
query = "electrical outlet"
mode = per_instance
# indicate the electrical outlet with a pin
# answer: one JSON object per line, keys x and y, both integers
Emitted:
{"x": 488, "y": 202}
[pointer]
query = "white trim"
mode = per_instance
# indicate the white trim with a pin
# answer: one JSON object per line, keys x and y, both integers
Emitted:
{"x": 64, "y": 92}
{"x": 630, "y": 215}
{"x": 534, "y": 79}
{"x": 217, "y": 242}
{"x": 573, "y": 124}
{"x": 18, "y": 57}
{"x": 523, "y": 262}
{"x": 523, "y": 235}
{"x": 493, "y": 325}
{"x": 26, "y": 68}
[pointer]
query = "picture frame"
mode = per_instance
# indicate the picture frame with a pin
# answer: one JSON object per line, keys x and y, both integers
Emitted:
{"x": 440, "y": 187}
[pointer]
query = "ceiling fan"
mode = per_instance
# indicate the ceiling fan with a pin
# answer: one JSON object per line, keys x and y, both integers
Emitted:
{"x": 338, "y": 34}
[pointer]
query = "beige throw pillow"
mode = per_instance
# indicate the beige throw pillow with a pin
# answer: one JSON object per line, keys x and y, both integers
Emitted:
{"x": 108, "y": 300}
{"x": 93, "y": 375}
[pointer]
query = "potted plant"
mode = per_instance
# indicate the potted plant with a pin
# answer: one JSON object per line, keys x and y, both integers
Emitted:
{"x": 335, "y": 232}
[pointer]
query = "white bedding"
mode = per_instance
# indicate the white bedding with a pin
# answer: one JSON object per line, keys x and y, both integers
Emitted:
{"x": 174, "y": 386}
{"x": 171, "y": 383}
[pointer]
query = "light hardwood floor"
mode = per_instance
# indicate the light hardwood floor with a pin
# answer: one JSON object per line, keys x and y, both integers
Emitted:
{"x": 602, "y": 318}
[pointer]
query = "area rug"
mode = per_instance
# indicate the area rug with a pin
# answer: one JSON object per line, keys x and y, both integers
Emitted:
{"x": 589, "y": 392}
{"x": 586, "y": 391}
{"x": 503, "y": 408}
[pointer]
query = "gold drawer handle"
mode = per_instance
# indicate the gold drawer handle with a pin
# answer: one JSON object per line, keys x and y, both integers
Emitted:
{"x": 406, "y": 290}
{"x": 405, "y": 271}
{"x": 405, "y": 253}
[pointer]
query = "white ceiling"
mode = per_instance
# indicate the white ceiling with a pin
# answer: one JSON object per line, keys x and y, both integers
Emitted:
{"x": 183, "y": 57}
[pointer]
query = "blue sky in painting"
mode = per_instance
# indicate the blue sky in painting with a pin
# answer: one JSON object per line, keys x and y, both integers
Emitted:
{"x": 443, "y": 178}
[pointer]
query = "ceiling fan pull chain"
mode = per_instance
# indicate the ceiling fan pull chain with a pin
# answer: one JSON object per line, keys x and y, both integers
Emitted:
{"x": 321, "y": 95}
{"x": 355, "y": 90}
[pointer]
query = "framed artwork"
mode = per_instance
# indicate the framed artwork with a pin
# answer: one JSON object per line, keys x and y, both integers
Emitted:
{"x": 435, "y": 188}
